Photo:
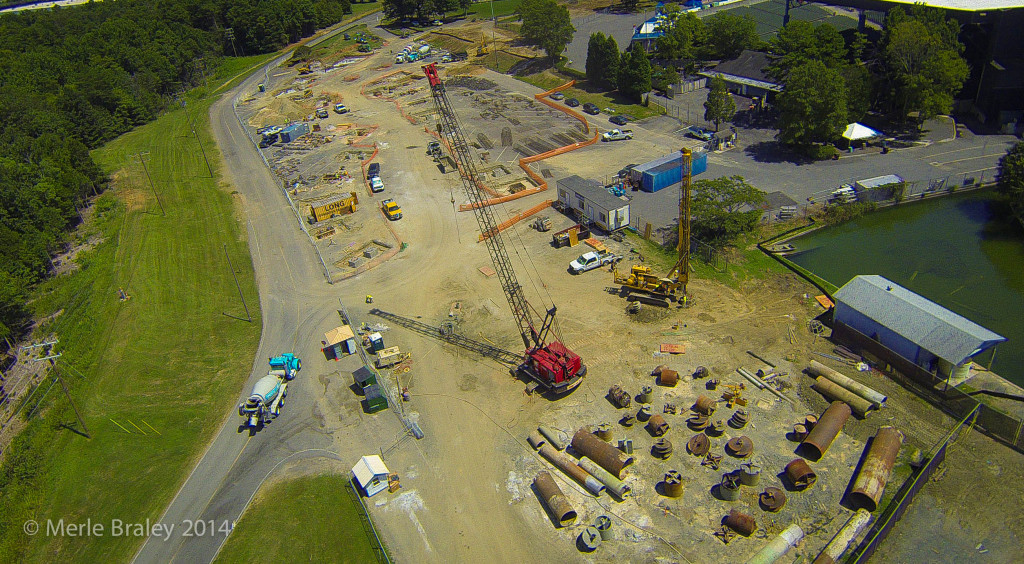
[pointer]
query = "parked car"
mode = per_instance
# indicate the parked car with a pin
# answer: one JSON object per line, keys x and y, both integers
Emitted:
{"x": 341, "y": 108}
{"x": 619, "y": 120}
{"x": 557, "y": 96}
{"x": 321, "y": 113}
{"x": 591, "y": 109}
{"x": 376, "y": 184}
{"x": 698, "y": 132}
{"x": 373, "y": 170}
{"x": 572, "y": 102}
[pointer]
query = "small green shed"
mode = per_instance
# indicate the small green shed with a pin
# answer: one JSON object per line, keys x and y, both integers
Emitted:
{"x": 375, "y": 400}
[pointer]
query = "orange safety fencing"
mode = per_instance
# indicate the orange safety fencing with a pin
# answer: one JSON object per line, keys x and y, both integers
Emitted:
{"x": 517, "y": 218}
{"x": 398, "y": 106}
{"x": 542, "y": 185}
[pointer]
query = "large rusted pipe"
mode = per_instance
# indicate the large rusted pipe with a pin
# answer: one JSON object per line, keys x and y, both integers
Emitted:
{"x": 610, "y": 458}
{"x": 839, "y": 543}
{"x": 614, "y": 485}
{"x": 834, "y": 391}
{"x": 829, "y": 425}
{"x": 874, "y": 474}
{"x": 779, "y": 546}
{"x": 569, "y": 467}
{"x": 554, "y": 499}
{"x": 818, "y": 369}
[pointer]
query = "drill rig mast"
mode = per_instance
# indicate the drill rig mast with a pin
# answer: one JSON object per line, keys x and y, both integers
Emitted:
{"x": 551, "y": 364}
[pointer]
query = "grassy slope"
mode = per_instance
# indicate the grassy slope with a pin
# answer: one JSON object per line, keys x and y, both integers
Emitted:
{"x": 310, "y": 519}
{"x": 169, "y": 357}
{"x": 604, "y": 99}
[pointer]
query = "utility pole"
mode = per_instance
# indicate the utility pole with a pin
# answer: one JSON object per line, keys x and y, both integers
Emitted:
{"x": 195, "y": 133}
{"x": 237, "y": 285}
{"x": 151, "y": 185}
{"x": 52, "y": 358}
{"x": 229, "y": 33}
{"x": 494, "y": 42}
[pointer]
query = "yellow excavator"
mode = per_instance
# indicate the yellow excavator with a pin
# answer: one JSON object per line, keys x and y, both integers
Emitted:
{"x": 657, "y": 289}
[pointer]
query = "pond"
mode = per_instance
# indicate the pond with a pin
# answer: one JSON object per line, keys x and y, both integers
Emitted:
{"x": 952, "y": 250}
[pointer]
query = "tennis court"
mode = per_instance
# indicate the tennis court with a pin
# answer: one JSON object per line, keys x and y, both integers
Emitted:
{"x": 768, "y": 16}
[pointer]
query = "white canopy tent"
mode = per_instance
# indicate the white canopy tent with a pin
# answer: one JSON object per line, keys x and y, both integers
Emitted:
{"x": 857, "y": 132}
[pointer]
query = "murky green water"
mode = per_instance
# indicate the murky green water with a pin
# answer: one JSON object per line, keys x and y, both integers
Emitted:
{"x": 949, "y": 250}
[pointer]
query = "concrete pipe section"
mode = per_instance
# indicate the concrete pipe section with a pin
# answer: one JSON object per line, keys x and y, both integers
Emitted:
{"x": 818, "y": 369}
{"x": 837, "y": 546}
{"x": 825, "y": 431}
{"x": 569, "y": 467}
{"x": 870, "y": 482}
{"x": 590, "y": 539}
{"x": 557, "y": 504}
{"x": 536, "y": 440}
{"x": 834, "y": 391}
{"x": 614, "y": 485}
{"x": 800, "y": 474}
{"x": 603, "y": 524}
{"x": 554, "y": 437}
{"x": 610, "y": 458}
{"x": 779, "y": 546}
{"x": 646, "y": 395}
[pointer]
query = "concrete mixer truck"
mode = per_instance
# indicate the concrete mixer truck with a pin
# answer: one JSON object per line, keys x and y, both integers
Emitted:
{"x": 267, "y": 397}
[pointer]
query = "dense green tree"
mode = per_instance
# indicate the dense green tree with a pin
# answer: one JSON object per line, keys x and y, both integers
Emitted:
{"x": 728, "y": 35}
{"x": 635, "y": 73}
{"x": 662, "y": 78}
{"x": 812, "y": 105}
{"x": 683, "y": 37}
{"x": 719, "y": 106}
{"x": 74, "y": 78}
{"x": 546, "y": 25}
{"x": 602, "y": 60}
{"x": 923, "y": 60}
{"x": 801, "y": 41}
{"x": 723, "y": 208}
{"x": 859, "y": 91}
{"x": 1010, "y": 178}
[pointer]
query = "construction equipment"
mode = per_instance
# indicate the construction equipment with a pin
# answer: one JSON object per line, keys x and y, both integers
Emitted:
{"x": 267, "y": 397}
{"x": 551, "y": 365}
{"x": 391, "y": 209}
{"x": 663, "y": 290}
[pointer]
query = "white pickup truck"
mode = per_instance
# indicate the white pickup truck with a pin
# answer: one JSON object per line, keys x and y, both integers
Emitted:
{"x": 592, "y": 260}
{"x": 617, "y": 134}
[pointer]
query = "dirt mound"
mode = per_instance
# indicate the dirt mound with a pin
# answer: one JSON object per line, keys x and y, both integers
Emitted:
{"x": 471, "y": 83}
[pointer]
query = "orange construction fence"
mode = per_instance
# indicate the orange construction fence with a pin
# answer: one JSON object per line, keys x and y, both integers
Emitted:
{"x": 517, "y": 218}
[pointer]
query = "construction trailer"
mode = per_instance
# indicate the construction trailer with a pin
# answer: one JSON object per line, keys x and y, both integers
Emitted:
{"x": 371, "y": 474}
{"x": 293, "y": 132}
{"x": 665, "y": 171}
{"x": 339, "y": 342}
{"x": 594, "y": 201}
{"x": 332, "y": 206}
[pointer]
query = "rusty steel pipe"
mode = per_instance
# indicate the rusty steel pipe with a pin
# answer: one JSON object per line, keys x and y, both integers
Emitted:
{"x": 610, "y": 458}
{"x": 874, "y": 474}
{"x": 557, "y": 504}
{"x": 740, "y": 522}
{"x": 800, "y": 474}
{"x": 834, "y": 391}
{"x": 668, "y": 377}
{"x": 704, "y": 405}
{"x": 569, "y": 467}
{"x": 657, "y": 425}
{"x": 825, "y": 431}
{"x": 818, "y": 369}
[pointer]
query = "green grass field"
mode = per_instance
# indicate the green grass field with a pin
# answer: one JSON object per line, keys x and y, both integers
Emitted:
{"x": 549, "y": 79}
{"x": 311, "y": 519}
{"x": 166, "y": 365}
{"x": 336, "y": 48}
{"x": 482, "y": 10}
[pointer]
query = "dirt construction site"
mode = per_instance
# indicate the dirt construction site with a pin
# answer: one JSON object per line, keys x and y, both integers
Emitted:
{"x": 698, "y": 446}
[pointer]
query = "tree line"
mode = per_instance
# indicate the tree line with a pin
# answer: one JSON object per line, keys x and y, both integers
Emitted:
{"x": 74, "y": 78}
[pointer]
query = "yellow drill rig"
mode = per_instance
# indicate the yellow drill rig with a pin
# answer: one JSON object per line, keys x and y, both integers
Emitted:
{"x": 662, "y": 290}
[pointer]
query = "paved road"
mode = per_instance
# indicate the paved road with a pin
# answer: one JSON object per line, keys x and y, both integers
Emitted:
{"x": 297, "y": 307}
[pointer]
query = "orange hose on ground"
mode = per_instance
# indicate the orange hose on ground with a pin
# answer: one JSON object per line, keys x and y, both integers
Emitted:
{"x": 513, "y": 220}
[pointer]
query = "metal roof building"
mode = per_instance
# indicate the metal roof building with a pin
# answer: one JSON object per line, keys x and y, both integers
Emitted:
{"x": 917, "y": 329}
{"x": 594, "y": 201}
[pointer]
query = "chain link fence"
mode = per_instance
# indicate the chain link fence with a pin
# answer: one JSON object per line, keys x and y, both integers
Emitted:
{"x": 668, "y": 238}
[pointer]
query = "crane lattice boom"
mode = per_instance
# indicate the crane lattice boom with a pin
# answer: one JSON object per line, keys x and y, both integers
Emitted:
{"x": 553, "y": 365}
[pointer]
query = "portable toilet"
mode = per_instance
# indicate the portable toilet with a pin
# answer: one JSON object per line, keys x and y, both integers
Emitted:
{"x": 376, "y": 342}
{"x": 374, "y": 399}
{"x": 339, "y": 341}
{"x": 371, "y": 474}
{"x": 364, "y": 378}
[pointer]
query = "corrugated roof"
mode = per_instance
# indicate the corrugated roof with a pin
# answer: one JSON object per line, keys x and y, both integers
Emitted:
{"x": 657, "y": 162}
{"x": 592, "y": 191}
{"x": 749, "y": 65}
{"x": 945, "y": 334}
